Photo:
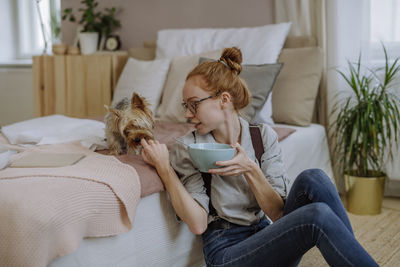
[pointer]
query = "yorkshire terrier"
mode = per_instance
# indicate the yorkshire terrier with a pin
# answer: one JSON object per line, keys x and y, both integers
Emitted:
{"x": 127, "y": 123}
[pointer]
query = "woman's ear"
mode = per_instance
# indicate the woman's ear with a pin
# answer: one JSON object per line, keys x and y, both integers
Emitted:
{"x": 226, "y": 99}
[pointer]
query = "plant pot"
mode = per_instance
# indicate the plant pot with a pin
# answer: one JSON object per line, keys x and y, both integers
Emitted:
{"x": 88, "y": 42}
{"x": 364, "y": 194}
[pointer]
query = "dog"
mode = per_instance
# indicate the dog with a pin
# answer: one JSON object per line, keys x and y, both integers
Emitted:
{"x": 127, "y": 123}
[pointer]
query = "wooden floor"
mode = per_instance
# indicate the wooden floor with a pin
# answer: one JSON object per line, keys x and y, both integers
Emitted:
{"x": 379, "y": 235}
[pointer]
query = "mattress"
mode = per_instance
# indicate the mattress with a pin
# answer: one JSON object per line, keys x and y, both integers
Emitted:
{"x": 158, "y": 239}
{"x": 306, "y": 148}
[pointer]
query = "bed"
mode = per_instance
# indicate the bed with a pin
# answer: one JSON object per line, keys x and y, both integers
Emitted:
{"x": 147, "y": 232}
{"x": 158, "y": 239}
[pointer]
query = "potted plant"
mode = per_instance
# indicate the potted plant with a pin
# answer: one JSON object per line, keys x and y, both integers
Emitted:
{"x": 108, "y": 24}
{"x": 367, "y": 124}
{"x": 93, "y": 23}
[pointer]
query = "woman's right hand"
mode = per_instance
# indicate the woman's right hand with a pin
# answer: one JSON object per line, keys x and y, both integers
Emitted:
{"x": 155, "y": 154}
{"x": 186, "y": 207}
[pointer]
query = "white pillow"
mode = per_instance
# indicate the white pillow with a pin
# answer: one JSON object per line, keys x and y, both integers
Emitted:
{"x": 170, "y": 108}
{"x": 259, "y": 45}
{"x": 145, "y": 78}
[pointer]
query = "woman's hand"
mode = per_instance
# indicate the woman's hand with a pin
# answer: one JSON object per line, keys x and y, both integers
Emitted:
{"x": 236, "y": 166}
{"x": 155, "y": 154}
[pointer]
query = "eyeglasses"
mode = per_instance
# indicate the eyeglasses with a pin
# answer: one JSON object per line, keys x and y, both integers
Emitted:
{"x": 192, "y": 105}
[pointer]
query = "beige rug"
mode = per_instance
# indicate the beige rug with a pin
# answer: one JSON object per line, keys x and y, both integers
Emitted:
{"x": 379, "y": 235}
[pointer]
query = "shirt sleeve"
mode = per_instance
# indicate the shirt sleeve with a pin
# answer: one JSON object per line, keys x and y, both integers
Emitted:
{"x": 190, "y": 177}
{"x": 272, "y": 163}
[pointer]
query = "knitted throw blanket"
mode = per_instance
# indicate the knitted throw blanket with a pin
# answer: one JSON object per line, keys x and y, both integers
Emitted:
{"x": 46, "y": 212}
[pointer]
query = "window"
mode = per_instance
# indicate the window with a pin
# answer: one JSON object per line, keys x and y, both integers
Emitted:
{"x": 34, "y": 32}
{"x": 385, "y": 27}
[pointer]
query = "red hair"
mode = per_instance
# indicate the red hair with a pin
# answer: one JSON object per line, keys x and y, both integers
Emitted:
{"x": 223, "y": 76}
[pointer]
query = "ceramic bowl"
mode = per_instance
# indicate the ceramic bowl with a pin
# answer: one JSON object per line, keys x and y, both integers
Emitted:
{"x": 204, "y": 155}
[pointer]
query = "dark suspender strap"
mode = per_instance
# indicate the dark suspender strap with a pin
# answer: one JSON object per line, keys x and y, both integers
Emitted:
{"x": 207, "y": 184}
{"x": 256, "y": 139}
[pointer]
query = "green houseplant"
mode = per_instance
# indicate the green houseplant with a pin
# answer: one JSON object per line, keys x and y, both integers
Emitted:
{"x": 93, "y": 23}
{"x": 367, "y": 124}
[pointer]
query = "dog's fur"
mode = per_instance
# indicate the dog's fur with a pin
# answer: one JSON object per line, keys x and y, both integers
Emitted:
{"x": 127, "y": 123}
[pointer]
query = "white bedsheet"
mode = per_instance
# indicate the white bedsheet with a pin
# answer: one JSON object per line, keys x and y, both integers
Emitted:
{"x": 157, "y": 239}
{"x": 306, "y": 148}
{"x": 56, "y": 129}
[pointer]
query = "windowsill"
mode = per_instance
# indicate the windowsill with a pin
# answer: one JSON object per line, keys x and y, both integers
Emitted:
{"x": 15, "y": 63}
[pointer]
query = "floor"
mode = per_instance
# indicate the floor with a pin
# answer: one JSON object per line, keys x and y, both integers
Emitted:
{"x": 379, "y": 235}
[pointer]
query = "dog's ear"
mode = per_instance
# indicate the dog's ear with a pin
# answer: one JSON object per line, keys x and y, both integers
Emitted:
{"x": 137, "y": 102}
{"x": 113, "y": 111}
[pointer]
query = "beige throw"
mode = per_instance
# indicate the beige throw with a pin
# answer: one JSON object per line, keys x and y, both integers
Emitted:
{"x": 46, "y": 212}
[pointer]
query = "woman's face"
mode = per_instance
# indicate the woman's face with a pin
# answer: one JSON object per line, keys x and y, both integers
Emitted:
{"x": 204, "y": 109}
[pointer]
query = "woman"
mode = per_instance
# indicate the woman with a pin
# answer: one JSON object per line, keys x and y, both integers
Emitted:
{"x": 248, "y": 195}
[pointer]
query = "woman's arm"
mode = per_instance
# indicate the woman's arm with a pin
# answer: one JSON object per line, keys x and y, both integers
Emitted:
{"x": 267, "y": 198}
{"x": 189, "y": 210}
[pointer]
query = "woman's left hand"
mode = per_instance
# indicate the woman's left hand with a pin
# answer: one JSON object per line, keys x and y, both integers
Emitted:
{"x": 236, "y": 166}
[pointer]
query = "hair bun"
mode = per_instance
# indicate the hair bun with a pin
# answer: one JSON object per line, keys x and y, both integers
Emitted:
{"x": 233, "y": 58}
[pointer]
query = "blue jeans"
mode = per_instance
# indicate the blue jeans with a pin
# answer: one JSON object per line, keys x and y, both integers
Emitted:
{"x": 313, "y": 216}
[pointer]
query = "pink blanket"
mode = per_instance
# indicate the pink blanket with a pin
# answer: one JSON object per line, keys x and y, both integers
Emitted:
{"x": 46, "y": 212}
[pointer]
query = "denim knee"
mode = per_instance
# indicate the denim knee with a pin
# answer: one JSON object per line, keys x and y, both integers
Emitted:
{"x": 311, "y": 174}
{"x": 312, "y": 177}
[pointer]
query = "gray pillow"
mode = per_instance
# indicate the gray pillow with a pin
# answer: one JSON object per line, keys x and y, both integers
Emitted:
{"x": 259, "y": 80}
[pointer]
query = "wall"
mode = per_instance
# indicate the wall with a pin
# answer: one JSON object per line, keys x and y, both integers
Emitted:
{"x": 141, "y": 19}
{"x": 16, "y": 95}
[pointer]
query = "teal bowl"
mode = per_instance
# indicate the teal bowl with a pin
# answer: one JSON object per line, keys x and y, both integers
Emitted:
{"x": 204, "y": 155}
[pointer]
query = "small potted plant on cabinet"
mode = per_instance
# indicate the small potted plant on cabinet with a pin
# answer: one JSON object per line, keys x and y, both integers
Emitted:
{"x": 93, "y": 24}
{"x": 366, "y": 127}
{"x": 108, "y": 24}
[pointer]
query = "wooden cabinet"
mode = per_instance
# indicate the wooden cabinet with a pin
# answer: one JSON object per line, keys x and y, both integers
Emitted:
{"x": 76, "y": 85}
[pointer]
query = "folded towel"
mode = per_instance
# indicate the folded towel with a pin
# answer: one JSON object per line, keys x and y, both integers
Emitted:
{"x": 56, "y": 129}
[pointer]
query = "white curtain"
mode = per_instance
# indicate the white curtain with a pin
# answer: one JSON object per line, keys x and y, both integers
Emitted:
{"x": 341, "y": 28}
{"x": 307, "y": 17}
